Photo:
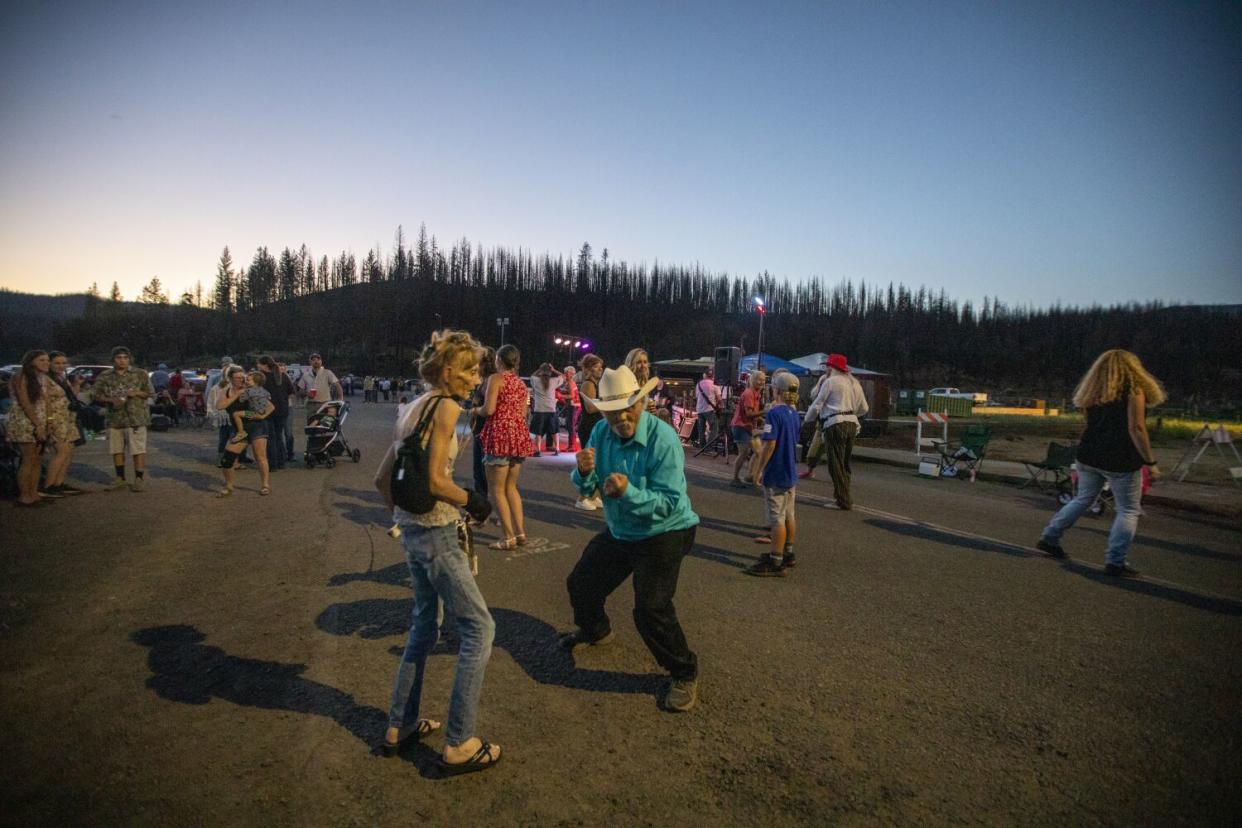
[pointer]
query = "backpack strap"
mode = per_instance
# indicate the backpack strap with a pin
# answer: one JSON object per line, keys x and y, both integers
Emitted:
{"x": 415, "y": 437}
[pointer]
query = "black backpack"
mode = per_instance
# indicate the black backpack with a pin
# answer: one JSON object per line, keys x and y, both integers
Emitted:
{"x": 411, "y": 479}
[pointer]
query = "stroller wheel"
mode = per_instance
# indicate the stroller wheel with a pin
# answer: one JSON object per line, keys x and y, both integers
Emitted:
{"x": 357, "y": 455}
{"x": 308, "y": 460}
{"x": 330, "y": 462}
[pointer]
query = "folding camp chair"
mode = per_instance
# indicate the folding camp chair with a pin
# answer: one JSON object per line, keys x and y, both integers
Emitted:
{"x": 1056, "y": 463}
{"x": 685, "y": 429}
{"x": 968, "y": 452}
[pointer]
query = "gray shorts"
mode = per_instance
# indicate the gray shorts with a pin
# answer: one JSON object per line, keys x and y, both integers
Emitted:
{"x": 778, "y": 504}
{"x": 501, "y": 460}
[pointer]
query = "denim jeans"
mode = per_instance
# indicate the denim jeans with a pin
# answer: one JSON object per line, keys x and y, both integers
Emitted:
{"x": 1127, "y": 488}
{"x": 656, "y": 564}
{"x": 441, "y": 575}
{"x": 276, "y": 456}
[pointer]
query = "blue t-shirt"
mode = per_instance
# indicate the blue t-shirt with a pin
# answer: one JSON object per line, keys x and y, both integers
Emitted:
{"x": 783, "y": 426}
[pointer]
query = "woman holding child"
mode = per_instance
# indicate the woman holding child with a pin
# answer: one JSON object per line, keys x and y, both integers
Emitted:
{"x": 248, "y": 405}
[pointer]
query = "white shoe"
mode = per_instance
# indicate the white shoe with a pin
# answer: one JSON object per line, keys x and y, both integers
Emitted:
{"x": 585, "y": 505}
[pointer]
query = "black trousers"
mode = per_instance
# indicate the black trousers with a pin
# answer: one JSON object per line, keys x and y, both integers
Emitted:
{"x": 839, "y": 442}
{"x": 655, "y": 564}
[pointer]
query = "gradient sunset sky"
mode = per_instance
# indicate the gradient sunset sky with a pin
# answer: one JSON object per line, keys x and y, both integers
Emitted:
{"x": 1037, "y": 151}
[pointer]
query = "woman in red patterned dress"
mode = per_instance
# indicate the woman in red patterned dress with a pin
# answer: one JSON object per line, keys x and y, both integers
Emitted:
{"x": 506, "y": 443}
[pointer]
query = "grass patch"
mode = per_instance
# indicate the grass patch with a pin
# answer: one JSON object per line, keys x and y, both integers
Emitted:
{"x": 1162, "y": 430}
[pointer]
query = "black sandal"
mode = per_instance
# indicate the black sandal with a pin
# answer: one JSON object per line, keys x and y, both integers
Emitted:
{"x": 409, "y": 734}
{"x": 473, "y": 764}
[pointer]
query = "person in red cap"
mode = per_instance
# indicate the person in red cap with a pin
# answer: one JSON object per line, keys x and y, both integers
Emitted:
{"x": 838, "y": 405}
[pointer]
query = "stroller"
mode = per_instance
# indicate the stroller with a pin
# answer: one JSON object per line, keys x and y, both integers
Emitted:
{"x": 325, "y": 441}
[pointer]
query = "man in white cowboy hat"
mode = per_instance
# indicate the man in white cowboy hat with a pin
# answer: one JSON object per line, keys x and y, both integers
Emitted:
{"x": 838, "y": 405}
{"x": 637, "y": 460}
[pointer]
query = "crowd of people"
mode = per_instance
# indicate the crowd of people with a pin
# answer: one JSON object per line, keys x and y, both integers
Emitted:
{"x": 629, "y": 462}
{"x": 635, "y": 461}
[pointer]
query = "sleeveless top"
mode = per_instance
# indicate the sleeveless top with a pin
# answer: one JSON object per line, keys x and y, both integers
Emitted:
{"x": 442, "y": 514}
{"x": 506, "y": 433}
{"x": 1106, "y": 443}
{"x": 589, "y": 418}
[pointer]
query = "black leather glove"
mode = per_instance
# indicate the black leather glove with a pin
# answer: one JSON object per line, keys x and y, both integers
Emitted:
{"x": 477, "y": 506}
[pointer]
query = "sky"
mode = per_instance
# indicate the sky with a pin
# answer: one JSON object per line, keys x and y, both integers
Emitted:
{"x": 1041, "y": 152}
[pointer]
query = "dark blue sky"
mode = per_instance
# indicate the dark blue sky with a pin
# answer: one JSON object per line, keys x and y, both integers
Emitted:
{"x": 1080, "y": 152}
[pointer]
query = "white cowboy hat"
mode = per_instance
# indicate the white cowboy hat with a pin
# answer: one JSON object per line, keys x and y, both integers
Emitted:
{"x": 618, "y": 389}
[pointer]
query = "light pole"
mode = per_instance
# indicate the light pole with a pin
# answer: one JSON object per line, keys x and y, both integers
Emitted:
{"x": 763, "y": 311}
{"x": 502, "y": 321}
{"x": 569, "y": 343}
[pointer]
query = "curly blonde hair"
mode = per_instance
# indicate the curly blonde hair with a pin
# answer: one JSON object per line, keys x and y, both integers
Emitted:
{"x": 446, "y": 348}
{"x": 1114, "y": 373}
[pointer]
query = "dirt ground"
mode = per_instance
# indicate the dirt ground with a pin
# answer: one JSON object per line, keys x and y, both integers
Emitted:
{"x": 171, "y": 658}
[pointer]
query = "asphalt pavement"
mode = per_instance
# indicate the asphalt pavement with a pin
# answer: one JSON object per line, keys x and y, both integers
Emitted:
{"x": 171, "y": 657}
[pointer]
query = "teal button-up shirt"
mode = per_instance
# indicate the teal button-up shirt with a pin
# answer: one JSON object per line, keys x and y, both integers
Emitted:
{"x": 655, "y": 501}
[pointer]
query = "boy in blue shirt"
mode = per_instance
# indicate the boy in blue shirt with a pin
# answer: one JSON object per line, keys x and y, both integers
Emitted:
{"x": 779, "y": 474}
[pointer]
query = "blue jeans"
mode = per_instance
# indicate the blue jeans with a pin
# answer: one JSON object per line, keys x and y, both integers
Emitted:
{"x": 1127, "y": 488}
{"x": 440, "y": 573}
{"x": 289, "y": 436}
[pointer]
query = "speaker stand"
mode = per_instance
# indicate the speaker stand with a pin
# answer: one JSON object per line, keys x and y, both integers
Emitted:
{"x": 721, "y": 444}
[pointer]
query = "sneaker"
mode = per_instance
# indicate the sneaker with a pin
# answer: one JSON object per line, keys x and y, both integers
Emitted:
{"x": 577, "y": 641}
{"x": 682, "y": 695}
{"x": 1052, "y": 550}
{"x": 537, "y": 454}
{"x": 806, "y": 475}
{"x": 117, "y": 484}
{"x": 1121, "y": 570}
{"x": 139, "y": 485}
{"x": 50, "y": 492}
{"x": 585, "y": 504}
{"x": 765, "y": 567}
{"x": 790, "y": 560}
{"x": 67, "y": 489}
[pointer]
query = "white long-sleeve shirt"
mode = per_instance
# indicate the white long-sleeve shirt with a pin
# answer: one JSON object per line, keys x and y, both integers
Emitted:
{"x": 840, "y": 400}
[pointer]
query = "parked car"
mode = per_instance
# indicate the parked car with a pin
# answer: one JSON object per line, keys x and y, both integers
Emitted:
{"x": 88, "y": 372}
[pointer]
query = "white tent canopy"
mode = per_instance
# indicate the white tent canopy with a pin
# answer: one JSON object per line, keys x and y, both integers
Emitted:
{"x": 812, "y": 362}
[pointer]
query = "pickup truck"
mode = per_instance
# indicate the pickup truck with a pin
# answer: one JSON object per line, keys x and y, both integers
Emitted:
{"x": 958, "y": 394}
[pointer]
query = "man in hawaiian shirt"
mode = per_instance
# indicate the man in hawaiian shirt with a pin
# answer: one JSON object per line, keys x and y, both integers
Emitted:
{"x": 124, "y": 390}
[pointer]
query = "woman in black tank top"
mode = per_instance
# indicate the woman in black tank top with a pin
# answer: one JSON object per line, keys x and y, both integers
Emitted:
{"x": 1115, "y": 394}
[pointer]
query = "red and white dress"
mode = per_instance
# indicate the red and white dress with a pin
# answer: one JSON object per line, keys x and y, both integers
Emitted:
{"x": 506, "y": 433}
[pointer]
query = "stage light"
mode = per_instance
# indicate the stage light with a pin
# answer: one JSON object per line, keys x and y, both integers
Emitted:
{"x": 558, "y": 340}
{"x": 586, "y": 345}
{"x": 578, "y": 343}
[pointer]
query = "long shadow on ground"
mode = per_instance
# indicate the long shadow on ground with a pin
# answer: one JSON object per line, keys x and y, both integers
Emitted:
{"x": 1141, "y": 586}
{"x": 1191, "y": 549}
{"x": 186, "y": 670}
{"x": 914, "y": 530}
{"x": 532, "y": 643}
{"x": 1169, "y": 592}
